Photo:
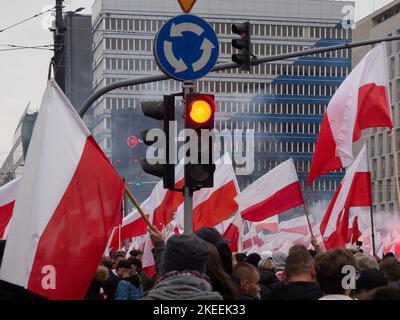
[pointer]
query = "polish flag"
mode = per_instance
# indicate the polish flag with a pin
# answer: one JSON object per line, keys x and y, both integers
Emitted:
{"x": 354, "y": 191}
{"x": 361, "y": 102}
{"x": 233, "y": 233}
{"x": 68, "y": 202}
{"x": 148, "y": 263}
{"x": 211, "y": 206}
{"x": 8, "y": 194}
{"x": 296, "y": 225}
{"x": 275, "y": 192}
{"x": 270, "y": 225}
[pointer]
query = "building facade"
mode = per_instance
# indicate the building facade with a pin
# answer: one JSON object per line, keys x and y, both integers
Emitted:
{"x": 13, "y": 166}
{"x": 283, "y": 102}
{"x": 383, "y": 23}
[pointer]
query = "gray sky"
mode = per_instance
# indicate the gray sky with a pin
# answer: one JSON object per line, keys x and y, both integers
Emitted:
{"x": 23, "y": 72}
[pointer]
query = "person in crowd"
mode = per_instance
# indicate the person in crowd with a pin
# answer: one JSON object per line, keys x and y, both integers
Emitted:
{"x": 111, "y": 283}
{"x": 220, "y": 280}
{"x": 240, "y": 257}
{"x": 279, "y": 259}
{"x": 300, "y": 278}
{"x": 365, "y": 261}
{"x": 391, "y": 267}
{"x": 95, "y": 290}
{"x": 367, "y": 281}
{"x": 115, "y": 258}
{"x": 266, "y": 254}
{"x": 181, "y": 262}
{"x": 211, "y": 235}
{"x": 135, "y": 254}
{"x": 129, "y": 287}
{"x": 268, "y": 279}
{"x": 329, "y": 267}
{"x": 253, "y": 259}
{"x": 137, "y": 266}
{"x": 249, "y": 279}
{"x": 386, "y": 293}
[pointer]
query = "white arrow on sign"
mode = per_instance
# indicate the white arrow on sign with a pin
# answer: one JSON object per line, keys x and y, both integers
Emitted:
{"x": 207, "y": 47}
{"x": 177, "y": 29}
{"x": 179, "y": 65}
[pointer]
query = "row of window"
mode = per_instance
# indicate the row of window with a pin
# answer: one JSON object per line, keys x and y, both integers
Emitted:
{"x": 269, "y": 127}
{"x": 393, "y": 46}
{"x": 266, "y": 145}
{"x": 262, "y": 30}
{"x": 273, "y": 69}
{"x": 263, "y": 49}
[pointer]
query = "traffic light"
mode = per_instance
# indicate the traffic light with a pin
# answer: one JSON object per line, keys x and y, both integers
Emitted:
{"x": 164, "y": 111}
{"x": 243, "y": 45}
{"x": 200, "y": 114}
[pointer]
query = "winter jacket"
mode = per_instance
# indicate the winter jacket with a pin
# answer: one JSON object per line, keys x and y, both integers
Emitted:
{"x": 268, "y": 282}
{"x": 110, "y": 286}
{"x": 296, "y": 290}
{"x": 182, "y": 286}
{"x": 129, "y": 288}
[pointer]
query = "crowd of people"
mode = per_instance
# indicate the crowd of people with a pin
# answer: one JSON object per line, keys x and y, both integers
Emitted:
{"x": 200, "y": 266}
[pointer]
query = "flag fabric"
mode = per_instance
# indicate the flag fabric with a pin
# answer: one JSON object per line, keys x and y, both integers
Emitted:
{"x": 211, "y": 206}
{"x": 361, "y": 102}
{"x": 297, "y": 225}
{"x": 354, "y": 191}
{"x": 270, "y": 224}
{"x": 69, "y": 201}
{"x": 8, "y": 194}
{"x": 233, "y": 234}
{"x": 148, "y": 263}
{"x": 275, "y": 192}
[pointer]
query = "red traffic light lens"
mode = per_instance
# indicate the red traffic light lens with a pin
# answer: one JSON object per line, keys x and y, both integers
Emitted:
{"x": 202, "y": 109}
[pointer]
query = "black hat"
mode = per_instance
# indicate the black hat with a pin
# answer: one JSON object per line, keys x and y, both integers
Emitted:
{"x": 211, "y": 235}
{"x": 185, "y": 252}
{"x": 370, "y": 279}
{"x": 253, "y": 259}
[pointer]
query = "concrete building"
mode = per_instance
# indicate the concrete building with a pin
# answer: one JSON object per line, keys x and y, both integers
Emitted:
{"x": 383, "y": 23}
{"x": 283, "y": 102}
{"x": 13, "y": 166}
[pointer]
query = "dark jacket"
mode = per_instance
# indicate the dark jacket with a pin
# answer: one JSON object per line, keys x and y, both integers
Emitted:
{"x": 9, "y": 291}
{"x": 268, "y": 282}
{"x": 93, "y": 292}
{"x": 129, "y": 288}
{"x": 297, "y": 290}
{"x": 110, "y": 286}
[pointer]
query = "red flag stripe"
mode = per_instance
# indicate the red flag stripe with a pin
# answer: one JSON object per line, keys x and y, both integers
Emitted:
{"x": 5, "y": 217}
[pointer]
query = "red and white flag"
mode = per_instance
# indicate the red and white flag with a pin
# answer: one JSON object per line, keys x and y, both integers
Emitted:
{"x": 297, "y": 225}
{"x": 213, "y": 205}
{"x": 8, "y": 194}
{"x": 275, "y": 192}
{"x": 270, "y": 225}
{"x": 233, "y": 233}
{"x": 354, "y": 191}
{"x": 362, "y": 101}
{"x": 68, "y": 202}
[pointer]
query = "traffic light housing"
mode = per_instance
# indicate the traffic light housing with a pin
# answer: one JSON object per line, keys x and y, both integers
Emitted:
{"x": 165, "y": 111}
{"x": 200, "y": 115}
{"x": 243, "y": 45}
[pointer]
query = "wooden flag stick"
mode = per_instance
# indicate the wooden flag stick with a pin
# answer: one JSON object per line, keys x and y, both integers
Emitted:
{"x": 395, "y": 166}
{"x": 136, "y": 204}
{"x": 308, "y": 219}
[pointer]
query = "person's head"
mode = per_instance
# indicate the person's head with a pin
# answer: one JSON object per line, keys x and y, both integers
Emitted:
{"x": 386, "y": 293}
{"x": 117, "y": 257}
{"x": 391, "y": 267}
{"x": 220, "y": 280}
{"x": 279, "y": 259}
{"x": 101, "y": 274}
{"x": 136, "y": 264}
{"x": 266, "y": 265}
{"x": 253, "y": 259}
{"x": 266, "y": 254}
{"x": 249, "y": 278}
{"x": 106, "y": 262}
{"x": 368, "y": 280}
{"x": 185, "y": 252}
{"x": 135, "y": 254}
{"x": 123, "y": 268}
{"x": 297, "y": 247}
{"x": 366, "y": 261}
{"x": 299, "y": 266}
{"x": 240, "y": 257}
{"x": 211, "y": 235}
{"x": 330, "y": 270}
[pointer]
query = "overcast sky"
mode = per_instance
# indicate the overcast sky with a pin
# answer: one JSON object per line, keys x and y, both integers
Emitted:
{"x": 23, "y": 73}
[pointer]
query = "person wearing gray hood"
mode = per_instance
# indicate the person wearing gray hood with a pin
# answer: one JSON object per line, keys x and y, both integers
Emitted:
{"x": 181, "y": 263}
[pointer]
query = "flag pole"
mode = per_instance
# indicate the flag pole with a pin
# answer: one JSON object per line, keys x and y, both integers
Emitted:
{"x": 370, "y": 207}
{"x": 119, "y": 238}
{"x": 136, "y": 204}
{"x": 308, "y": 218}
{"x": 395, "y": 165}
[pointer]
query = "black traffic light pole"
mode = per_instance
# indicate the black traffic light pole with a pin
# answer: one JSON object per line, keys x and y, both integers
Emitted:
{"x": 224, "y": 66}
